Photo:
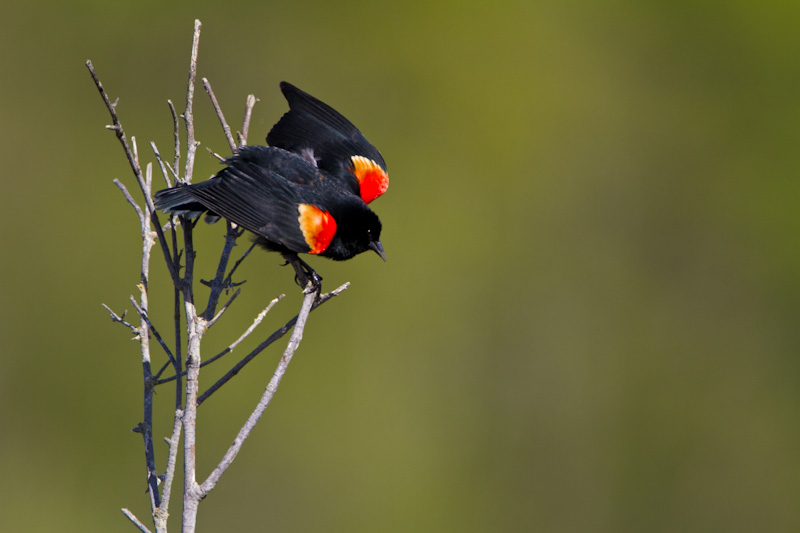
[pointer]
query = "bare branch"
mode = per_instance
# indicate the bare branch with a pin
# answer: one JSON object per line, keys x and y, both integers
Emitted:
{"x": 247, "y": 332}
{"x": 188, "y": 114}
{"x": 177, "y": 136}
{"x": 153, "y": 330}
{"x": 130, "y": 199}
{"x": 215, "y": 155}
{"x": 166, "y": 365}
{"x": 272, "y": 338}
{"x": 191, "y": 493}
{"x": 269, "y": 392}
{"x": 120, "y": 132}
{"x": 169, "y": 474}
{"x": 121, "y": 319}
{"x": 229, "y": 280}
{"x": 176, "y": 315}
{"x": 230, "y": 348}
{"x": 164, "y": 166}
{"x": 136, "y": 522}
{"x": 248, "y": 112}
{"x": 191, "y": 497}
{"x": 218, "y": 284}
{"x": 225, "y": 128}
{"x": 135, "y": 150}
{"x": 224, "y": 307}
{"x": 116, "y": 127}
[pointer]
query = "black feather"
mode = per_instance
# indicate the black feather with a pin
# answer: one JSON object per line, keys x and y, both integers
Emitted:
{"x": 314, "y": 130}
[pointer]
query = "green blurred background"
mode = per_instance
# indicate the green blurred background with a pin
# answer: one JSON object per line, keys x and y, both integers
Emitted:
{"x": 588, "y": 320}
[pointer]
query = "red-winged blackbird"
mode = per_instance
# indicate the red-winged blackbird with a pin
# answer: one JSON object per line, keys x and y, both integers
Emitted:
{"x": 305, "y": 193}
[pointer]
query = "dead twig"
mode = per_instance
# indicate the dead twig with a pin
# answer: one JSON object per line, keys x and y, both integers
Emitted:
{"x": 269, "y": 392}
{"x": 261, "y": 347}
{"x": 224, "y": 123}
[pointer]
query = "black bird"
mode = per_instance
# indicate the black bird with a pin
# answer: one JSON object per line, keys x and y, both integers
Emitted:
{"x": 307, "y": 192}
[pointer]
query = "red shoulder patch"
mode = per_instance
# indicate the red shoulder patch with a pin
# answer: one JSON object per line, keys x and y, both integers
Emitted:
{"x": 318, "y": 227}
{"x": 372, "y": 179}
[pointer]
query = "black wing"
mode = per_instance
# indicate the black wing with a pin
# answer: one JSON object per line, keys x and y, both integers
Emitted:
{"x": 259, "y": 190}
{"x": 320, "y": 134}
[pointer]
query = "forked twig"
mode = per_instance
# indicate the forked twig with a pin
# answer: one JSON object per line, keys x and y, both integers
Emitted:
{"x": 117, "y": 128}
{"x": 269, "y": 392}
{"x": 261, "y": 347}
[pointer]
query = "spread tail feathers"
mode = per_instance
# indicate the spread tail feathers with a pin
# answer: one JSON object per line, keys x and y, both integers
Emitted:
{"x": 178, "y": 201}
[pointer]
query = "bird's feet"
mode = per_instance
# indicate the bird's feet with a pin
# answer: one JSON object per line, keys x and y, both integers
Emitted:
{"x": 305, "y": 276}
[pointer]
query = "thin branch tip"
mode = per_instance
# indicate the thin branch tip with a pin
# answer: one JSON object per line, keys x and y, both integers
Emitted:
{"x": 134, "y": 520}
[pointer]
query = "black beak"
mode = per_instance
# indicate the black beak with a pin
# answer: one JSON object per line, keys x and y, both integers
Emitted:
{"x": 378, "y": 248}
